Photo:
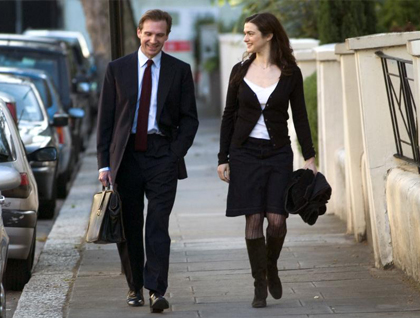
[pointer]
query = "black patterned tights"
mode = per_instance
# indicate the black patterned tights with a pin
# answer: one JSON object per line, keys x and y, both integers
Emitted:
{"x": 254, "y": 225}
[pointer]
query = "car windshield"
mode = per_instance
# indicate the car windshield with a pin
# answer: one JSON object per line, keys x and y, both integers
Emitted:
{"x": 28, "y": 59}
{"x": 5, "y": 140}
{"x": 27, "y": 105}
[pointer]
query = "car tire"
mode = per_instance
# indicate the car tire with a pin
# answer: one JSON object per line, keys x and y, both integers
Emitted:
{"x": 47, "y": 209}
{"x": 19, "y": 271}
{"x": 77, "y": 148}
{"x": 2, "y": 302}
{"x": 63, "y": 184}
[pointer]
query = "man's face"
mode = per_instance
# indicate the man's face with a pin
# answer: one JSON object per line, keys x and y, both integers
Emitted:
{"x": 152, "y": 37}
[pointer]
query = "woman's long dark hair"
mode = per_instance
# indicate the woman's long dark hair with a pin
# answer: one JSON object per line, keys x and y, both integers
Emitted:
{"x": 280, "y": 51}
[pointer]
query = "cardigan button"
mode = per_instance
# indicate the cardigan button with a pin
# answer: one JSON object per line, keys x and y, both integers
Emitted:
{"x": 266, "y": 119}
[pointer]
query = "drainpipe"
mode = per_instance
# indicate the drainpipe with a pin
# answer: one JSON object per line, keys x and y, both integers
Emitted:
{"x": 18, "y": 25}
{"x": 116, "y": 28}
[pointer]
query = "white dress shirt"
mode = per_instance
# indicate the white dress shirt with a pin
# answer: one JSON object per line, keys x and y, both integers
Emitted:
{"x": 152, "y": 126}
{"x": 263, "y": 94}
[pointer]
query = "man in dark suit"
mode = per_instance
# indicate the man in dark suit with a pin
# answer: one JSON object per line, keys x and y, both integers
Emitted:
{"x": 147, "y": 121}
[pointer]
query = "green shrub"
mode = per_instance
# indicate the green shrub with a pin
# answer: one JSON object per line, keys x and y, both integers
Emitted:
{"x": 311, "y": 100}
{"x": 342, "y": 19}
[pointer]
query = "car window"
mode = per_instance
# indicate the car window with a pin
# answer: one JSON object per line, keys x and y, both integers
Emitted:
{"x": 27, "y": 107}
{"x": 28, "y": 59}
{"x": 6, "y": 141}
{"x": 55, "y": 96}
{"x": 72, "y": 63}
{"x": 42, "y": 87}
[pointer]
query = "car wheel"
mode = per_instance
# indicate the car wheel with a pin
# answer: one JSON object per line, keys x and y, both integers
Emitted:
{"x": 47, "y": 209}
{"x": 19, "y": 271}
{"x": 63, "y": 184}
{"x": 77, "y": 147}
{"x": 2, "y": 302}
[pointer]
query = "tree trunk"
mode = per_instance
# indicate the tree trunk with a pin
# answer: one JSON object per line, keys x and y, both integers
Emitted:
{"x": 97, "y": 24}
{"x": 131, "y": 41}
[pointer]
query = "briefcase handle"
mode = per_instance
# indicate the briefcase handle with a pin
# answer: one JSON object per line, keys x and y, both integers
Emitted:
{"x": 104, "y": 190}
{"x": 108, "y": 188}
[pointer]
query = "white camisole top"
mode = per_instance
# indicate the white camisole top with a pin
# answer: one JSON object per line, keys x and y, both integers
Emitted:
{"x": 263, "y": 94}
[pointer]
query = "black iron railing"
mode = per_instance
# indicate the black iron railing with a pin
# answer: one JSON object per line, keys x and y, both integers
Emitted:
{"x": 402, "y": 107}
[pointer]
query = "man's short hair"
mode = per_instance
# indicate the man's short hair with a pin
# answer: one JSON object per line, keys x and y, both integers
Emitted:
{"x": 157, "y": 15}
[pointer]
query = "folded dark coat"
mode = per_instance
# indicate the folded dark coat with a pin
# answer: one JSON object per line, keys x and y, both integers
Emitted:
{"x": 307, "y": 195}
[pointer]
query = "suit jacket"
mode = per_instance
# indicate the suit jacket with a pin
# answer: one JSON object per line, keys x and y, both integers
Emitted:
{"x": 243, "y": 110}
{"x": 176, "y": 109}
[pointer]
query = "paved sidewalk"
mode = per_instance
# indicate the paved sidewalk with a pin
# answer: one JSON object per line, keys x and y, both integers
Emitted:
{"x": 324, "y": 273}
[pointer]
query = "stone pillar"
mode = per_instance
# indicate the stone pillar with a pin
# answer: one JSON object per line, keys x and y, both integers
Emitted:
{"x": 379, "y": 145}
{"x": 231, "y": 49}
{"x": 353, "y": 144}
{"x": 305, "y": 58}
{"x": 413, "y": 47}
{"x": 330, "y": 126}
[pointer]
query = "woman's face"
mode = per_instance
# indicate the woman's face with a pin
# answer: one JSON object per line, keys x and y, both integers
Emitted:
{"x": 255, "y": 41}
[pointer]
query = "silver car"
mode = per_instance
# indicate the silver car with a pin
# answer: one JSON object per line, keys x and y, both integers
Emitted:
{"x": 36, "y": 132}
{"x": 9, "y": 179}
{"x": 20, "y": 208}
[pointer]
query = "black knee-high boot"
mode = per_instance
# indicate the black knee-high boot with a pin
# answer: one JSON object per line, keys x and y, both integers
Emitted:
{"x": 274, "y": 247}
{"x": 258, "y": 259}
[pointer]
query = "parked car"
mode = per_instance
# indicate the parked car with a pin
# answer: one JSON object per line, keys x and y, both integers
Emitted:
{"x": 10, "y": 104}
{"x": 56, "y": 59}
{"x": 20, "y": 206}
{"x": 82, "y": 56}
{"x": 9, "y": 179}
{"x": 68, "y": 150}
{"x": 36, "y": 132}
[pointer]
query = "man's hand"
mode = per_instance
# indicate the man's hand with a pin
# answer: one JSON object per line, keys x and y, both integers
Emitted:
{"x": 223, "y": 171}
{"x": 310, "y": 164}
{"x": 105, "y": 178}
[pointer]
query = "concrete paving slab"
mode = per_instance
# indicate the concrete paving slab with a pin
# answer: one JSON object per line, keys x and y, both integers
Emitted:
{"x": 241, "y": 309}
{"x": 395, "y": 314}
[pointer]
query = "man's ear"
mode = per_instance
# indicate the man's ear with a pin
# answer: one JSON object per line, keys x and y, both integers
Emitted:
{"x": 138, "y": 33}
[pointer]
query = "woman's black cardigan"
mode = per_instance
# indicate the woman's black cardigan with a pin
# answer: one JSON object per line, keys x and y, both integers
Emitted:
{"x": 243, "y": 110}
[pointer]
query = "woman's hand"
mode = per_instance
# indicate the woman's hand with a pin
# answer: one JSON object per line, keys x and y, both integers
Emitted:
{"x": 223, "y": 171}
{"x": 310, "y": 164}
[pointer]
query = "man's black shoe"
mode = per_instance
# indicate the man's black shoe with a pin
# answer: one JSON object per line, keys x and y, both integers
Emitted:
{"x": 135, "y": 299}
{"x": 158, "y": 303}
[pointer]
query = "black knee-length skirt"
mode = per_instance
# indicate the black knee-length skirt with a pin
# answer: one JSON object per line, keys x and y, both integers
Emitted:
{"x": 259, "y": 175}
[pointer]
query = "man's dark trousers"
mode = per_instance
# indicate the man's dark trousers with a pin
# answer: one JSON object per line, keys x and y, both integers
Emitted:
{"x": 152, "y": 173}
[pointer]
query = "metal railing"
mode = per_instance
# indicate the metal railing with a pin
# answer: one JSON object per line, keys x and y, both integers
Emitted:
{"x": 402, "y": 107}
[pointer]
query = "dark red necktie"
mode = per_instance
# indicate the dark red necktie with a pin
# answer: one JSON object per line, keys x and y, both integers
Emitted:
{"x": 143, "y": 112}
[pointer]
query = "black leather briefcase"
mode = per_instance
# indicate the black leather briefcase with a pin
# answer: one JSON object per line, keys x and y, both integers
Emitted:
{"x": 105, "y": 223}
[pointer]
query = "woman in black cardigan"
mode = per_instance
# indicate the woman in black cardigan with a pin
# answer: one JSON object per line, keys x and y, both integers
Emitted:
{"x": 255, "y": 154}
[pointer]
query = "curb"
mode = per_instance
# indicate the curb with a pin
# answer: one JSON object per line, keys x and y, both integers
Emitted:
{"x": 47, "y": 292}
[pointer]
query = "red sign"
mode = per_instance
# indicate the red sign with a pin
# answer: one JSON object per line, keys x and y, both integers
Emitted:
{"x": 177, "y": 46}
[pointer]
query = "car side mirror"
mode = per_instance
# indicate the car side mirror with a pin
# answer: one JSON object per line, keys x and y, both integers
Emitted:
{"x": 60, "y": 120}
{"x": 43, "y": 154}
{"x": 83, "y": 87}
{"x": 81, "y": 84}
{"x": 10, "y": 178}
{"x": 76, "y": 113}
